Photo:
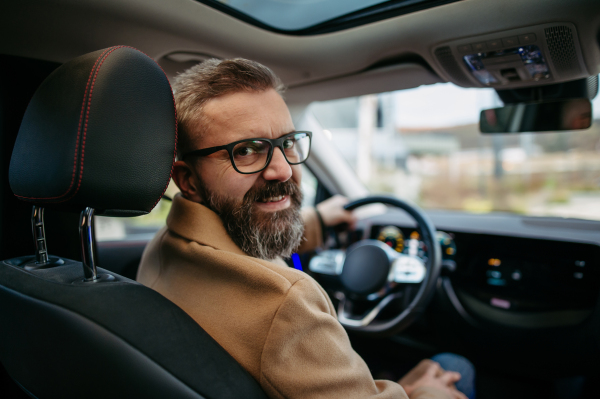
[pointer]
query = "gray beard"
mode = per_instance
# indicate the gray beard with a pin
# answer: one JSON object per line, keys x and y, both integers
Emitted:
{"x": 263, "y": 235}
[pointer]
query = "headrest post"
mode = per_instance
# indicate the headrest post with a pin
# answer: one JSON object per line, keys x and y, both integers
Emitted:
{"x": 88, "y": 250}
{"x": 39, "y": 235}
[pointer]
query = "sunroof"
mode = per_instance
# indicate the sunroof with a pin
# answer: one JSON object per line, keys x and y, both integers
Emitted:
{"x": 302, "y": 15}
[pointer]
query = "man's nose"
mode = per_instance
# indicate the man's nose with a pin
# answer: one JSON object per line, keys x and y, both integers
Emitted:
{"x": 279, "y": 169}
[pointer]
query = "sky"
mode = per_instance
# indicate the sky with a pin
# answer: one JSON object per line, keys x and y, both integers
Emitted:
{"x": 297, "y": 14}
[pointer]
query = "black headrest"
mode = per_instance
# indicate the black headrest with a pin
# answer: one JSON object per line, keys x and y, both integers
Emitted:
{"x": 99, "y": 132}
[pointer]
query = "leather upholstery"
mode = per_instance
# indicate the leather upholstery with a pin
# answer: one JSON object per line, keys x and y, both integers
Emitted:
{"x": 100, "y": 132}
{"x": 107, "y": 340}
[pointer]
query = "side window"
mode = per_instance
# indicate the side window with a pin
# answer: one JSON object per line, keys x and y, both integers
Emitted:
{"x": 424, "y": 145}
{"x": 309, "y": 187}
{"x": 135, "y": 228}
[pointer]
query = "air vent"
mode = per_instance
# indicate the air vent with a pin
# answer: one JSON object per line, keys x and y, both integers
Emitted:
{"x": 562, "y": 50}
{"x": 446, "y": 59}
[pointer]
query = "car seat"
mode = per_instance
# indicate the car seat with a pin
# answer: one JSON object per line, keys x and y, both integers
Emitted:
{"x": 99, "y": 137}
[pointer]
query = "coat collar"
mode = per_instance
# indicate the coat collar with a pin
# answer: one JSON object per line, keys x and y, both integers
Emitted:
{"x": 198, "y": 223}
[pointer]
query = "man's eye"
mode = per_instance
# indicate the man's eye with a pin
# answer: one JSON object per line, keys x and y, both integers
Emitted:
{"x": 244, "y": 151}
{"x": 288, "y": 144}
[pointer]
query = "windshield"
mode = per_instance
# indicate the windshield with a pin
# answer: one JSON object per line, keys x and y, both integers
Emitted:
{"x": 424, "y": 145}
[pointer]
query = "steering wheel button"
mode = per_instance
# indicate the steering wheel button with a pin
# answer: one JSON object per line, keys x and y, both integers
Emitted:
{"x": 408, "y": 269}
{"x": 328, "y": 262}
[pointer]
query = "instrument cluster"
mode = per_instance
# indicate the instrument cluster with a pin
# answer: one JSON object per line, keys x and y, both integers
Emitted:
{"x": 408, "y": 241}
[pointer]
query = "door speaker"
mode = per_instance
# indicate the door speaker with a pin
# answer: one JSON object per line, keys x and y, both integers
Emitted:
{"x": 592, "y": 85}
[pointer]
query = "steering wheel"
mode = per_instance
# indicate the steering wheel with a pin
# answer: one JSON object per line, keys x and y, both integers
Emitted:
{"x": 373, "y": 275}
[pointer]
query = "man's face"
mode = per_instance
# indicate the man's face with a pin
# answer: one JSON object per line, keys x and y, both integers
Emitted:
{"x": 241, "y": 116}
{"x": 260, "y": 211}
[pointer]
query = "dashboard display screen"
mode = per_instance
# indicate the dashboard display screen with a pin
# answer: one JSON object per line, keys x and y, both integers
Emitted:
{"x": 409, "y": 242}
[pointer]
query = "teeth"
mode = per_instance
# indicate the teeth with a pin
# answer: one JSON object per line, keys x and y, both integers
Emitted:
{"x": 274, "y": 199}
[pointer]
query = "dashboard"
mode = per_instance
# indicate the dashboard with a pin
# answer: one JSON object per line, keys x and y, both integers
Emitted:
{"x": 509, "y": 273}
{"x": 499, "y": 279}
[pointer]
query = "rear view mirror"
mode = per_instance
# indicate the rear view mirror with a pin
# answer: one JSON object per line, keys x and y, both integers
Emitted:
{"x": 571, "y": 114}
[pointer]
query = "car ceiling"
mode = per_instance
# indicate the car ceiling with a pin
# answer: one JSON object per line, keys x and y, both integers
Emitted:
{"x": 391, "y": 54}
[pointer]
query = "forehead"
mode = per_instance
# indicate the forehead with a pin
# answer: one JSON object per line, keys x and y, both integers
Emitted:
{"x": 242, "y": 115}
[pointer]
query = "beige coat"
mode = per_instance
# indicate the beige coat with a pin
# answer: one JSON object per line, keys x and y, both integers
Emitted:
{"x": 277, "y": 322}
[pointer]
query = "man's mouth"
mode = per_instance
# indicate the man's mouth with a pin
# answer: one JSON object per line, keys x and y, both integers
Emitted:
{"x": 273, "y": 199}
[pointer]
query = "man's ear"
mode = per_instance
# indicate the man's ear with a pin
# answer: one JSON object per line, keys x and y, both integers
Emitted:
{"x": 187, "y": 181}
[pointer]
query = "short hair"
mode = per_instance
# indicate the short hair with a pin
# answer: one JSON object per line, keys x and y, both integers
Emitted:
{"x": 213, "y": 78}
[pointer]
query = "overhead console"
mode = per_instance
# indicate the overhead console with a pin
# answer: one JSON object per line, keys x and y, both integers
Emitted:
{"x": 536, "y": 55}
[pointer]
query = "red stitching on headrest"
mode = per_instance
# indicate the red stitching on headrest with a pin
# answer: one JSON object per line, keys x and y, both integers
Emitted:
{"x": 87, "y": 117}
{"x": 104, "y": 56}
{"x": 85, "y": 95}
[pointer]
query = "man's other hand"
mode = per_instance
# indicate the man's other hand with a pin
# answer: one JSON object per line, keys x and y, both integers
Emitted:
{"x": 429, "y": 374}
{"x": 333, "y": 213}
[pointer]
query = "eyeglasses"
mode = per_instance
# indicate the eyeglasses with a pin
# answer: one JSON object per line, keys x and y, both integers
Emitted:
{"x": 253, "y": 155}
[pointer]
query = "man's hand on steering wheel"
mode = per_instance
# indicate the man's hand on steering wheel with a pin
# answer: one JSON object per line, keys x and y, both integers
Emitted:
{"x": 333, "y": 213}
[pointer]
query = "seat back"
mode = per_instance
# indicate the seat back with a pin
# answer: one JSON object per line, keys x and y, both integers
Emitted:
{"x": 100, "y": 133}
{"x": 63, "y": 338}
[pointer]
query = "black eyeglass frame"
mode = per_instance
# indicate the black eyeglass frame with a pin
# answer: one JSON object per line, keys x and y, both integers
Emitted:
{"x": 275, "y": 143}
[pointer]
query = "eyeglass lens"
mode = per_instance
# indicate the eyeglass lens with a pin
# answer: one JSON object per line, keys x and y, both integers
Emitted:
{"x": 251, "y": 156}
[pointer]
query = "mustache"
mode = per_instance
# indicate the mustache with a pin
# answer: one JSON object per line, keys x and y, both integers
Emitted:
{"x": 274, "y": 189}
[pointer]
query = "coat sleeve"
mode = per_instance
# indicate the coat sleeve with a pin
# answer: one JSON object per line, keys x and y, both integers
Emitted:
{"x": 307, "y": 353}
{"x": 313, "y": 236}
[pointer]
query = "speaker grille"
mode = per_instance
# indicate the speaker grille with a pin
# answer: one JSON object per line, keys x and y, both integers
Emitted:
{"x": 592, "y": 86}
{"x": 447, "y": 61}
{"x": 562, "y": 49}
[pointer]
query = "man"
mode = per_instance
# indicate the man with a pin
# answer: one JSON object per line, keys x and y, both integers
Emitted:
{"x": 219, "y": 257}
